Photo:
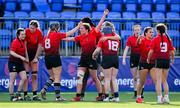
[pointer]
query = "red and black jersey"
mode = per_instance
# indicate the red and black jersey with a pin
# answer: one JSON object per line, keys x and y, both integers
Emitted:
{"x": 144, "y": 50}
{"x": 161, "y": 49}
{"x": 109, "y": 47}
{"x": 33, "y": 39}
{"x": 132, "y": 43}
{"x": 18, "y": 46}
{"x": 98, "y": 35}
{"x": 87, "y": 42}
{"x": 52, "y": 42}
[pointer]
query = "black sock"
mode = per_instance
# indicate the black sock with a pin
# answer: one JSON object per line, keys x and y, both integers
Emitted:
{"x": 82, "y": 94}
{"x": 100, "y": 94}
{"x": 34, "y": 93}
{"x": 106, "y": 95}
{"x": 57, "y": 89}
{"x": 142, "y": 93}
{"x": 25, "y": 93}
{"x": 78, "y": 95}
{"x": 116, "y": 94}
{"x": 135, "y": 93}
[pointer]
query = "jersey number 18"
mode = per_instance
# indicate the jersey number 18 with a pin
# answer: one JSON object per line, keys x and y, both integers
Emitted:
{"x": 113, "y": 45}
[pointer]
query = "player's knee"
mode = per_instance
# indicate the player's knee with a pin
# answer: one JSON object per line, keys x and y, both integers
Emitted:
{"x": 80, "y": 76}
{"x": 34, "y": 75}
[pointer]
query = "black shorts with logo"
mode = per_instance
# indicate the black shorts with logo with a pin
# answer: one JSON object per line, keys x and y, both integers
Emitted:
{"x": 31, "y": 55}
{"x": 88, "y": 62}
{"x": 110, "y": 61}
{"x": 146, "y": 66}
{"x": 162, "y": 63}
{"x": 52, "y": 61}
{"x": 15, "y": 66}
{"x": 134, "y": 60}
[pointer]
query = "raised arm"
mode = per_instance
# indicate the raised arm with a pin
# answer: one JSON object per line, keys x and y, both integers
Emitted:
{"x": 98, "y": 27}
{"x": 69, "y": 39}
{"x": 71, "y": 32}
{"x": 124, "y": 55}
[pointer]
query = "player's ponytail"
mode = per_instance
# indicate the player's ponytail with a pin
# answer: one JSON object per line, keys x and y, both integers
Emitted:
{"x": 162, "y": 29}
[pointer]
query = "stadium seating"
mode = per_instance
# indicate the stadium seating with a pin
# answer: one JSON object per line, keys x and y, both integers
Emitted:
{"x": 158, "y": 16}
{"x": 146, "y": 7}
{"x": 37, "y": 14}
{"x": 146, "y": 1}
{"x": 87, "y": 5}
{"x": 115, "y": 15}
{"x": 26, "y": 7}
{"x": 175, "y": 7}
{"x": 21, "y": 14}
{"x": 8, "y": 23}
{"x": 174, "y": 34}
{"x": 101, "y": 5}
{"x": 129, "y": 23}
{"x": 144, "y": 15}
{"x": 69, "y": 15}
{"x": 5, "y": 38}
{"x": 160, "y": 7}
{"x": 116, "y": 5}
{"x": 131, "y": 7}
{"x": 10, "y": 6}
{"x": 161, "y": 1}
{"x": 124, "y": 35}
{"x": 83, "y": 14}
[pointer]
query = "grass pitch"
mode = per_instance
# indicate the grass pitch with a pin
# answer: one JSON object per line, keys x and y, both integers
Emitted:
{"x": 125, "y": 101}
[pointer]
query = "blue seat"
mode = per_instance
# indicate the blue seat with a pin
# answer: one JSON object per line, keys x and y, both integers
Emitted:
{"x": 8, "y": 23}
{"x": 26, "y": 7}
{"x": 160, "y": 7}
{"x": 56, "y": 1}
{"x": 175, "y": 1}
{"x": 10, "y": 0}
{"x": 83, "y": 14}
{"x": 40, "y": 1}
{"x": 160, "y": 1}
{"x": 87, "y": 5}
{"x": 124, "y": 35}
{"x": 146, "y": 1}
{"x": 21, "y": 14}
{"x": 69, "y": 14}
{"x": 57, "y": 7}
{"x": 14, "y": 34}
{"x": 101, "y": 5}
{"x": 97, "y": 15}
{"x": 144, "y": 15}
{"x": 146, "y": 7}
{"x": 36, "y": 15}
{"x": 173, "y": 25}
{"x": 25, "y": 1}
{"x": 42, "y": 7}
{"x": 115, "y": 15}
{"x": 116, "y": 5}
{"x": 70, "y": 1}
{"x": 158, "y": 16}
{"x": 174, "y": 34}
{"x": 52, "y": 15}
{"x": 10, "y": 6}
{"x": 131, "y": 1}
{"x": 131, "y": 7}
{"x": 129, "y": 23}
{"x": 175, "y": 7}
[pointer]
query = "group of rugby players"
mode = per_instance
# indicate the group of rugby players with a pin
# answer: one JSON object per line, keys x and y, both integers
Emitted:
{"x": 148, "y": 55}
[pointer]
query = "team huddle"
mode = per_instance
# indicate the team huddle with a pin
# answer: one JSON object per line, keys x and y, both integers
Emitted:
{"x": 99, "y": 51}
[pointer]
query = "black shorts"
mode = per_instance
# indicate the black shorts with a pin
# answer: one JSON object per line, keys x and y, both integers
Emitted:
{"x": 110, "y": 61}
{"x": 134, "y": 60}
{"x": 31, "y": 55}
{"x": 146, "y": 66}
{"x": 15, "y": 66}
{"x": 162, "y": 63}
{"x": 52, "y": 61}
{"x": 99, "y": 59}
{"x": 88, "y": 62}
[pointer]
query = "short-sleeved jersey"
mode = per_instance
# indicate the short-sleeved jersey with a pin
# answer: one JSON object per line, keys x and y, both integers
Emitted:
{"x": 161, "y": 49}
{"x": 18, "y": 47}
{"x": 98, "y": 35}
{"x": 109, "y": 47}
{"x": 144, "y": 50}
{"x": 132, "y": 43}
{"x": 87, "y": 42}
{"x": 33, "y": 39}
{"x": 52, "y": 42}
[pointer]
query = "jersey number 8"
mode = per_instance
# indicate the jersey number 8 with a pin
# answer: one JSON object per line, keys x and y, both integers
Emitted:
{"x": 47, "y": 43}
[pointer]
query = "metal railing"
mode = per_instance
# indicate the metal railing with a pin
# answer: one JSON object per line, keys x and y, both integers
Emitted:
{"x": 8, "y": 28}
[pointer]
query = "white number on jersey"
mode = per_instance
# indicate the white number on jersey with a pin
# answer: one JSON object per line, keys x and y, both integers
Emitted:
{"x": 47, "y": 43}
{"x": 113, "y": 45}
{"x": 163, "y": 47}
